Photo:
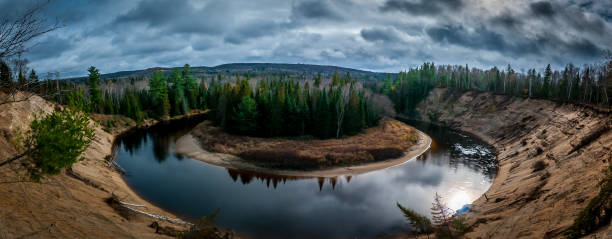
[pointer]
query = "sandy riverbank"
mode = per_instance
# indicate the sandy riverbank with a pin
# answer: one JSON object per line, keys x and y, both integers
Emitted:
{"x": 72, "y": 203}
{"x": 190, "y": 145}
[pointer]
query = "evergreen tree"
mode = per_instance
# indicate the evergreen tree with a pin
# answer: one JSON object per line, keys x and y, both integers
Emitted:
{"x": 544, "y": 91}
{"x": 21, "y": 79}
{"x": 55, "y": 142}
{"x": 32, "y": 78}
{"x": 95, "y": 96}
{"x": 179, "y": 103}
{"x": 245, "y": 116}
{"x": 77, "y": 100}
{"x": 317, "y": 81}
{"x": 158, "y": 89}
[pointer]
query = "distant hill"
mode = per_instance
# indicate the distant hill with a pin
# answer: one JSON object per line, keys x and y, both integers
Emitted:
{"x": 246, "y": 68}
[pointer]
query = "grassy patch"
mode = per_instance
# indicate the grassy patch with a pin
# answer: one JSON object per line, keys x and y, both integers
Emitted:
{"x": 386, "y": 141}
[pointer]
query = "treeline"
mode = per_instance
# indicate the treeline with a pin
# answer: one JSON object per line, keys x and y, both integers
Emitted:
{"x": 284, "y": 107}
{"x": 166, "y": 96}
{"x": 591, "y": 84}
{"x": 269, "y": 106}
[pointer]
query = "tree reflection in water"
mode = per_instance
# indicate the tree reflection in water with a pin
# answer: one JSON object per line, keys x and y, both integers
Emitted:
{"x": 246, "y": 177}
{"x": 163, "y": 135}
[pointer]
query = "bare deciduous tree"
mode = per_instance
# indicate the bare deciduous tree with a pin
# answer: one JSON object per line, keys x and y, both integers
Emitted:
{"x": 15, "y": 33}
{"x": 341, "y": 107}
{"x": 441, "y": 215}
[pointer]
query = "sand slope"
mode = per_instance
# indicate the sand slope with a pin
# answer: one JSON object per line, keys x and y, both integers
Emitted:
{"x": 523, "y": 202}
{"x": 63, "y": 206}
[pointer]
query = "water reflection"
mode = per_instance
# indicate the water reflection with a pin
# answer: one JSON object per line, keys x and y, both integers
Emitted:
{"x": 246, "y": 177}
{"x": 458, "y": 166}
{"x": 161, "y": 136}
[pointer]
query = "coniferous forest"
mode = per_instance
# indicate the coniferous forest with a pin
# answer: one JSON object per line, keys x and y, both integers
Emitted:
{"x": 591, "y": 84}
{"x": 320, "y": 106}
{"x": 269, "y": 106}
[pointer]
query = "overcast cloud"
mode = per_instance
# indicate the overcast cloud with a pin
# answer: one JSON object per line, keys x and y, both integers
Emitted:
{"x": 381, "y": 35}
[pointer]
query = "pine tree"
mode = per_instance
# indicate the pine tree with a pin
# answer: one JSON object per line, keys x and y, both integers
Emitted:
{"x": 544, "y": 92}
{"x": 190, "y": 86}
{"x": 95, "y": 96}
{"x": 158, "y": 89}
{"x": 179, "y": 103}
{"x": 353, "y": 122}
{"x": 245, "y": 116}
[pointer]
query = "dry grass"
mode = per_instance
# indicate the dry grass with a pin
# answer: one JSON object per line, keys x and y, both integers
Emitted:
{"x": 388, "y": 140}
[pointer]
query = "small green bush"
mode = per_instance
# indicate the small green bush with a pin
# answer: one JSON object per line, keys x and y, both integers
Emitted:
{"x": 57, "y": 141}
{"x": 598, "y": 212}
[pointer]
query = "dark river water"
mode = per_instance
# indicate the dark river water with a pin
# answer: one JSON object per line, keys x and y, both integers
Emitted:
{"x": 458, "y": 166}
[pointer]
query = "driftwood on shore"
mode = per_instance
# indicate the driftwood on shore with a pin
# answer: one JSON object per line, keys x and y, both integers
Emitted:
{"x": 156, "y": 216}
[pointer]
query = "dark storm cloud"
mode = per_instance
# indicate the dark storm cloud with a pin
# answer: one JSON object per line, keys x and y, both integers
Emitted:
{"x": 315, "y": 9}
{"x": 586, "y": 48}
{"x": 543, "y": 8}
{"x": 254, "y": 30}
{"x": 49, "y": 47}
{"x": 479, "y": 38}
{"x": 380, "y": 34}
{"x": 483, "y": 38}
{"x": 177, "y": 16}
{"x": 422, "y": 7}
{"x": 386, "y": 35}
{"x": 507, "y": 20}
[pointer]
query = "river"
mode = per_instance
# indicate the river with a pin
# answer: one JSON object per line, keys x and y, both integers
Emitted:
{"x": 458, "y": 166}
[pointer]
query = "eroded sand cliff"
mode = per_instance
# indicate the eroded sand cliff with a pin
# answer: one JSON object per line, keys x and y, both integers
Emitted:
{"x": 551, "y": 157}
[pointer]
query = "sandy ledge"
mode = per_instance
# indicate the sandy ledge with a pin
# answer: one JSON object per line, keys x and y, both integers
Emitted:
{"x": 190, "y": 146}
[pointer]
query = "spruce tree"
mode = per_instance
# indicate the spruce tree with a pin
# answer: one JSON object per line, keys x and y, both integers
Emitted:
{"x": 544, "y": 92}
{"x": 245, "y": 116}
{"x": 95, "y": 96}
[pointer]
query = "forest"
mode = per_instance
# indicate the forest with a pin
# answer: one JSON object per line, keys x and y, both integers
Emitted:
{"x": 319, "y": 105}
{"x": 591, "y": 84}
{"x": 269, "y": 106}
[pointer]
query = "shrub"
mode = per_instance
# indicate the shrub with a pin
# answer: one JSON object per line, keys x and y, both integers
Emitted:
{"x": 598, "y": 212}
{"x": 56, "y": 142}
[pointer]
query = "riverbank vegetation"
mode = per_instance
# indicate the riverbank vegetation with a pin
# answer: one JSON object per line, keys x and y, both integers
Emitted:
{"x": 53, "y": 142}
{"x": 598, "y": 213}
{"x": 269, "y": 106}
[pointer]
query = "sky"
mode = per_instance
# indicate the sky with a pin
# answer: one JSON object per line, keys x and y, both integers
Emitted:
{"x": 377, "y": 35}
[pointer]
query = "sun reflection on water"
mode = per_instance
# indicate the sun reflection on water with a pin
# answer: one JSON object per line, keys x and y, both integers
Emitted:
{"x": 458, "y": 198}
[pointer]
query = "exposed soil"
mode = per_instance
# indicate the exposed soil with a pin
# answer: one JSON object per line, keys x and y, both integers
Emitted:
{"x": 72, "y": 204}
{"x": 390, "y": 143}
{"x": 551, "y": 158}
